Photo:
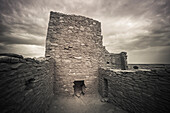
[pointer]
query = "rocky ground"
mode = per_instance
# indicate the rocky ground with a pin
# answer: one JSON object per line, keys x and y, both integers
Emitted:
{"x": 84, "y": 104}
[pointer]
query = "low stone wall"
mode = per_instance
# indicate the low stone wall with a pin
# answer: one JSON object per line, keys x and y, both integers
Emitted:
{"x": 26, "y": 85}
{"x": 149, "y": 66}
{"x": 140, "y": 91}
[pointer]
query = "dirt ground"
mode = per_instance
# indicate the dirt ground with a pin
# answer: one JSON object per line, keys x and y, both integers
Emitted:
{"x": 84, "y": 104}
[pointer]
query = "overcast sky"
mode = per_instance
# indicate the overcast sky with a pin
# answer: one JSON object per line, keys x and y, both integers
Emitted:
{"x": 139, "y": 27}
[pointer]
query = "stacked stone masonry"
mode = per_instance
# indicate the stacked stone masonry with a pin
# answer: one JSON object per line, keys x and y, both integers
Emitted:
{"x": 137, "y": 91}
{"x": 117, "y": 61}
{"x": 26, "y": 85}
{"x": 75, "y": 42}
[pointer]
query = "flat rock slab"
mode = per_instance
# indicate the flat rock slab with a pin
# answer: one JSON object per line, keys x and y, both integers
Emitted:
{"x": 84, "y": 104}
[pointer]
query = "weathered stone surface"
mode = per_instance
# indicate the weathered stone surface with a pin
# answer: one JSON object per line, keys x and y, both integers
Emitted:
{"x": 78, "y": 53}
{"x": 137, "y": 91}
{"x": 26, "y": 85}
{"x": 78, "y": 39}
{"x": 117, "y": 61}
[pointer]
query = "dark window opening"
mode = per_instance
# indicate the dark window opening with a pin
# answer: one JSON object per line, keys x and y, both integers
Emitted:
{"x": 79, "y": 88}
{"x": 135, "y": 67}
{"x": 105, "y": 88}
{"x": 29, "y": 84}
{"x": 108, "y": 62}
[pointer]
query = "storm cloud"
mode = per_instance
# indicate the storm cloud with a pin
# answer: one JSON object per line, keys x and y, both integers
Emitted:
{"x": 140, "y": 27}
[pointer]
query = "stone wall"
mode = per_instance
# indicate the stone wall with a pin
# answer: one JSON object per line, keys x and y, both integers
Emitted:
{"x": 117, "y": 61}
{"x": 137, "y": 91}
{"x": 75, "y": 42}
{"x": 26, "y": 85}
{"x": 149, "y": 66}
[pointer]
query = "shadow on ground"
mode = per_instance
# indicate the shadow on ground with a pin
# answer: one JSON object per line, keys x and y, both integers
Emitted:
{"x": 84, "y": 104}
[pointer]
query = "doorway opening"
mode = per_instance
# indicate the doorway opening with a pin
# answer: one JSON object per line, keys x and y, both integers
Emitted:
{"x": 105, "y": 88}
{"x": 79, "y": 88}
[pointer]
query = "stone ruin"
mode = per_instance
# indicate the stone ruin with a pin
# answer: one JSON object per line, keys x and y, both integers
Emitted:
{"x": 75, "y": 42}
{"x": 77, "y": 63}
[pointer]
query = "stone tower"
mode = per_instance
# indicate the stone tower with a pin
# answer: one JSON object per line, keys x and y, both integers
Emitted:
{"x": 75, "y": 42}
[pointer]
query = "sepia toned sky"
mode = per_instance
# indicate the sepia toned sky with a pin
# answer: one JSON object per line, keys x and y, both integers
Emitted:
{"x": 139, "y": 27}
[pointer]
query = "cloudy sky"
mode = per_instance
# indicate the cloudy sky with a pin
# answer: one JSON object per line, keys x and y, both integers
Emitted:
{"x": 139, "y": 27}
